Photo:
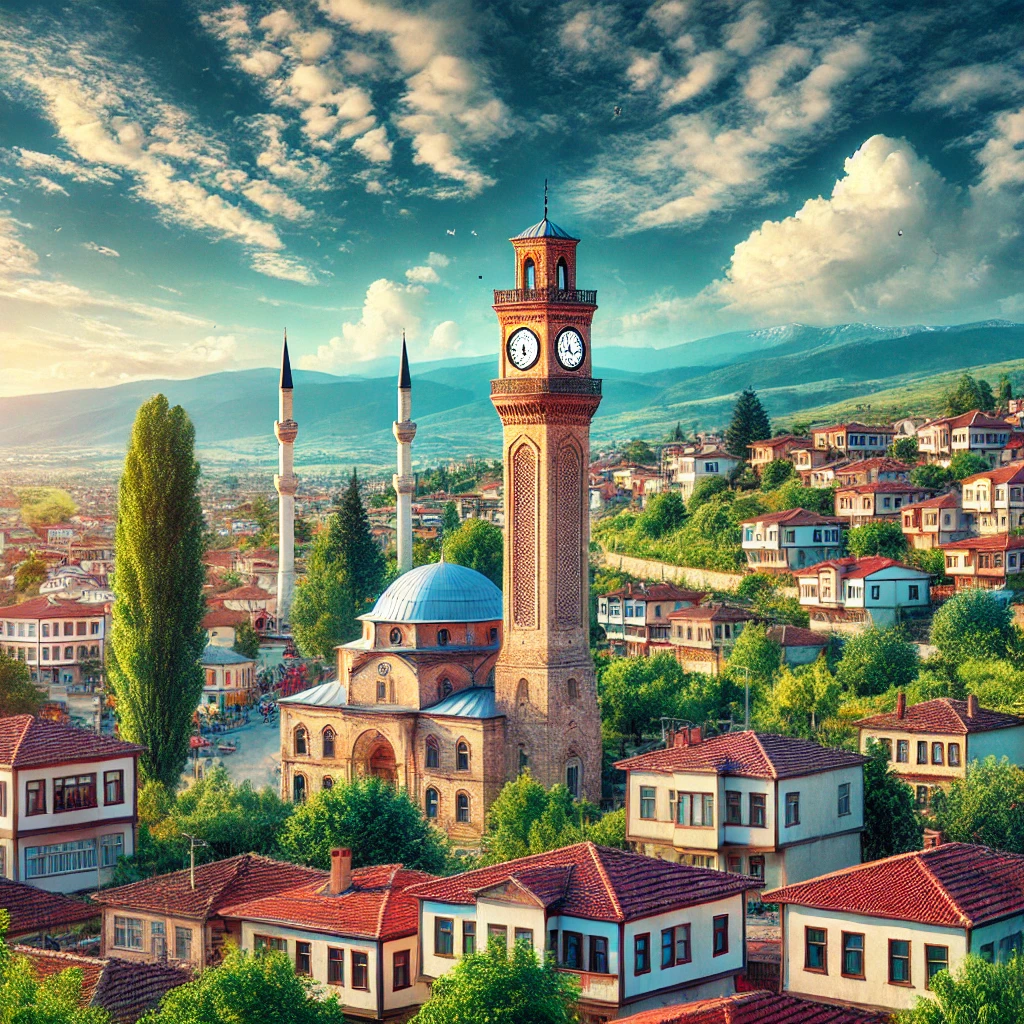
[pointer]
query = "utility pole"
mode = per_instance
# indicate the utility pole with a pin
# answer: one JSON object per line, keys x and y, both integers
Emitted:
{"x": 193, "y": 842}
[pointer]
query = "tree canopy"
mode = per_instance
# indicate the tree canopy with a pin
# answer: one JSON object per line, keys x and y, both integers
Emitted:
{"x": 976, "y": 991}
{"x": 973, "y": 624}
{"x": 776, "y": 473}
{"x": 930, "y": 475}
{"x": 965, "y": 464}
{"x": 876, "y": 660}
{"x": 985, "y": 807}
{"x": 635, "y": 693}
{"x": 477, "y": 544}
{"x": 891, "y": 823}
{"x": 639, "y": 451}
{"x": 904, "y": 449}
{"x": 30, "y": 573}
{"x": 664, "y": 513}
{"x": 18, "y": 694}
{"x": 756, "y": 653}
{"x": 749, "y": 423}
{"x": 968, "y": 394}
{"x": 883, "y": 537}
{"x": 247, "y": 640}
{"x": 46, "y": 506}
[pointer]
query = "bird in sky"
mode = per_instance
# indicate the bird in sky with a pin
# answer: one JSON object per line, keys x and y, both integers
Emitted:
{"x": 900, "y": 232}
{"x": 451, "y": 231}
{"x": 618, "y": 111}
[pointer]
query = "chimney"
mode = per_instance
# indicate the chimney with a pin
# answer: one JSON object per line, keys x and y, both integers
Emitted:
{"x": 687, "y": 737}
{"x": 972, "y": 706}
{"x": 341, "y": 871}
{"x": 901, "y": 705}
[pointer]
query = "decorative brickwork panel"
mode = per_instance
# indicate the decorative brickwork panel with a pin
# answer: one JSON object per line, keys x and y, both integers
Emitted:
{"x": 524, "y": 537}
{"x": 569, "y": 536}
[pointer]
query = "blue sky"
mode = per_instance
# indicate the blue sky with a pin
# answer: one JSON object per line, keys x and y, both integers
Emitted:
{"x": 180, "y": 181}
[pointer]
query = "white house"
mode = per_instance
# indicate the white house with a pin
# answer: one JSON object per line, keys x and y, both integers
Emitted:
{"x": 687, "y": 469}
{"x": 874, "y": 935}
{"x": 777, "y": 808}
{"x": 853, "y": 594}
{"x": 67, "y": 804}
{"x": 784, "y": 541}
{"x": 996, "y": 498}
{"x": 229, "y": 678}
{"x": 635, "y": 617}
{"x": 636, "y": 932}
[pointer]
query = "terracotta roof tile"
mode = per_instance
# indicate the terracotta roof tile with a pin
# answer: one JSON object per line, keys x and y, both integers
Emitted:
{"x": 857, "y": 568}
{"x": 794, "y": 517}
{"x": 942, "y": 715}
{"x": 750, "y": 754}
{"x": 713, "y": 612}
{"x": 1012, "y": 474}
{"x": 249, "y": 592}
{"x": 223, "y": 617}
{"x": 656, "y": 592}
{"x": 754, "y": 1008}
{"x": 36, "y": 910}
{"x": 853, "y": 425}
{"x": 882, "y": 463}
{"x": 605, "y": 884}
{"x": 44, "y": 607}
{"x": 26, "y": 741}
{"x": 884, "y": 487}
{"x": 954, "y": 885}
{"x": 993, "y": 542}
{"x": 948, "y": 500}
{"x": 782, "y": 439}
{"x": 797, "y": 636}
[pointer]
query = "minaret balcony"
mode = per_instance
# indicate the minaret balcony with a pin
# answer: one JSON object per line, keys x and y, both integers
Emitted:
{"x": 567, "y": 296}
{"x": 404, "y": 430}
{"x": 286, "y": 431}
{"x": 286, "y": 484}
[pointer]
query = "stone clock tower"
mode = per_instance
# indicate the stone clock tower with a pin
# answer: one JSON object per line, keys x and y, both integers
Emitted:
{"x": 546, "y": 398}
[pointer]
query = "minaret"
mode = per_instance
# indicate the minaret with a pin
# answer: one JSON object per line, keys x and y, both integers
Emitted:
{"x": 286, "y": 483}
{"x": 405, "y": 431}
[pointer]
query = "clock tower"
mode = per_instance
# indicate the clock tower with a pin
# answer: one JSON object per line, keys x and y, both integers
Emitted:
{"x": 546, "y": 398}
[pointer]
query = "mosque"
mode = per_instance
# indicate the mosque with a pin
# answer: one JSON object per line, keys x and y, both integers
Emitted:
{"x": 454, "y": 688}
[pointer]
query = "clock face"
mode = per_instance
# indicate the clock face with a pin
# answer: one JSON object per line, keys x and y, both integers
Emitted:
{"x": 570, "y": 348}
{"x": 523, "y": 348}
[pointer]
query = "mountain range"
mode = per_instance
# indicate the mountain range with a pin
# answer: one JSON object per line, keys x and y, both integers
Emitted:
{"x": 646, "y": 391}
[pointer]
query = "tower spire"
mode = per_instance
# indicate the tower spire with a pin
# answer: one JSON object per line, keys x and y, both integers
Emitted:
{"x": 403, "y": 481}
{"x": 545, "y": 198}
{"x": 286, "y": 366}
{"x": 404, "y": 380}
{"x": 286, "y": 484}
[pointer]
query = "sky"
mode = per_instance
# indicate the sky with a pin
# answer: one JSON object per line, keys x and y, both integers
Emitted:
{"x": 181, "y": 181}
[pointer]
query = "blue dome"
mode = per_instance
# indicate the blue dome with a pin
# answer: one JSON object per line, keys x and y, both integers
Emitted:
{"x": 439, "y": 592}
{"x": 546, "y": 229}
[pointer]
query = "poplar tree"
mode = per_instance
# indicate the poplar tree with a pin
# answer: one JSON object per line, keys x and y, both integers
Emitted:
{"x": 749, "y": 423}
{"x": 361, "y": 558}
{"x": 156, "y": 636}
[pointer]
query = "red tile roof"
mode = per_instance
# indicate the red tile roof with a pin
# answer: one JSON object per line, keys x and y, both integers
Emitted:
{"x": 250, "y": 592}
{"x": 36, "y": 910}
{"x": 974, "y": 418}
{"x": 797, "y": 636}
{"x": 376, "y": 907}
{"x": 713, "y": 612}
{"x": 884, "y": 487}
{"x": 794, "y": 517}
{"x": 604, "y": 884}
{"x": 223, "y": 617}
{"x": 858, "y": 568}
{"x": 26, "y": 742}
{"x": 1012, "y": 474}
{"x": 994, "y": 542}
{"x": 223, "y": 558}
{"x": 880, "y": 462}
{"x": 751, "y": 754}
{"x": 754, "y": 1008}
{"x": 853, "y": 425}
{"x": 775, "y": 442}
{"x": 950, "y": 499}
{"x": 221, "y": 884}
{"x": 52, "y": 608}
{"x": 942, "y": 715}
{"x": 954, "y": 885}
{"x": 656, "y": 592}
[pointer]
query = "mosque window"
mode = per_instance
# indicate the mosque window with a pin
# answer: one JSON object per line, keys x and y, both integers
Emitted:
{"x": 494, "y": 634}
{"x": 433, "y": 753}
{"x": 462, "y": 807}
{"x": 431, "y": 803}
{"x": 445, "y": 687}
{"x": 443, "y": 637}
{"x": 573, "y": 690}
{"x": 524, "y": 759}
{"x": 301, "y": 744}
{"x": 462, "y": 756}
{"x": 529, "y": 274}
{"x": 299, "y": 789}
{"x": 395, "y": 636}
{"x": 328, "y": 742}
{"x": 382, "y": 690}
{"x": 327, "y": 782}
{"x": 573, "y": 773}
{"x": 522, "y": 692}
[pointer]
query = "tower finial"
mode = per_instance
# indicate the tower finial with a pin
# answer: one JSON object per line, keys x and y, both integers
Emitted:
{"x": 404, "y": 381}
{"x": 286, "y": 366}
{"x": 545, "y": 198}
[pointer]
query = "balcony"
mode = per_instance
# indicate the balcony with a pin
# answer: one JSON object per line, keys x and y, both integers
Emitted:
{"x": 546, "y": 386}
{"x": 569, "y": 296}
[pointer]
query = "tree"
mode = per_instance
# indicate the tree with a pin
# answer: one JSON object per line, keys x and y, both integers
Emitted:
{"x": 968, "y": 394}
{"x": 248, "y": 988}
{"x": 931, "y": 475}
{"x": 875, "y": 660}
{"x": 891, "y": 824}
{"x": 520, "y": 804}
{"x": 677, "y": 434}
{"x": 883, "y": 537}
{"x": 749, "y": 423}
{"x": 30, "y": 573}
{"x": 635, "y": 693}
{"x": 361, "y": 558}
{"x": 156, "y": 636}
{"x": 704, "y": 490}
{"x": 973, "y": 624}
{"x": 477, "y": 544}
{"x": 755, "y": 653}
{"x": 1004, "y": 392}
{"x": 18, "y": 694}
{"x": 302, "y": 531}
{"x": 247, "y": 640}
{"x": 449, "y": 519}
{"x": 664, "y": 514}
{"x": 802, "y": 699}
{"x": 639, "y": 451}
{"x": 904, "y": 449}
{"x": 985, "y": 807}
{"x": 775, "y": 474}
{"x": 379, "y": 823}
{"x": 46, "y": 506}
{"x": 965, "y": 464}
{"x": 989, "y": 993}
{"x": 502, "y": 986}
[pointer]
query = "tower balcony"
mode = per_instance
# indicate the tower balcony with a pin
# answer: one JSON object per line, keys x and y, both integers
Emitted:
{"x": 587, "y": 386}
{"x": 567, "y": 296}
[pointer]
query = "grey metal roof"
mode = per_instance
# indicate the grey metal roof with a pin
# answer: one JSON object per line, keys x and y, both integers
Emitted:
{"x": 326, "y": 695}
{"x": 474, "y": 702}
{"x": 216, "y": 655}
{"x": 546, "y": 229}
{"x": 439, "y": 592}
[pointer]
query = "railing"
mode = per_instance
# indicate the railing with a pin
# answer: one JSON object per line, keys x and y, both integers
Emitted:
{"x": 546, "y": 386}
{"x": 549, "y": 294}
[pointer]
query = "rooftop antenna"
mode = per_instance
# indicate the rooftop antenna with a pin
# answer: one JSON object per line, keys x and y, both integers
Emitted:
{"x": 193, "y": 842}
{"x": 545, "y": 198}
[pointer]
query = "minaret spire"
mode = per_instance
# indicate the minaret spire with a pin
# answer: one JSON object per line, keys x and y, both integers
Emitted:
{"x": 404, "y": 483}
{"x": 286, "y": 483}
{"x": 545, "y": 198}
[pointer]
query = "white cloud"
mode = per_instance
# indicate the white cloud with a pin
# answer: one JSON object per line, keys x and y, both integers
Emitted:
{"x": 214, "y": 349}
{"x": 959, "y": 89}
{"x": 282, "y": 161}
{"x": 438, "y": 259}
{"x": 285, "y": 268}
{"x": 702, "y": 74}
{"x": 375, "y": 145}
{"x": 279, "y": 24}
{"x": 1002, "y": 156}
{"x": 445, "y": 340}
{"x": 590, "y": 29}
{"x": 48, "y": 185}
{"x": 103, "y": 250}
{"x": 275, "y": 201}
{"x": 747, "y": 34}
{"x": 422, "y": 275}
{"x": 30, "y": 160}
{"x": 260, "y": 63}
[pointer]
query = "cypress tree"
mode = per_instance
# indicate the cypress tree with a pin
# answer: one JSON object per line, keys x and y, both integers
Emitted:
{"x": 362, "y": 560}
{"x": 749, "y": 423}
{"x": 156, "y": 636}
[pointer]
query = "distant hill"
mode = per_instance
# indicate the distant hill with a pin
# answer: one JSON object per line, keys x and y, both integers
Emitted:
{"x": 794, "y": 367}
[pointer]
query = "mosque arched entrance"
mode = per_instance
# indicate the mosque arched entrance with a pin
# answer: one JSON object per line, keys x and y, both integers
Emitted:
{"x": 374, "y": 755}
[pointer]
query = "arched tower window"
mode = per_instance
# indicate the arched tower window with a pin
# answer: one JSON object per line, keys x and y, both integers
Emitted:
{"x": 563, "y": 275}
{"x": 327, "y": 782}
{"x": 522, "y": 693}
{"x": 443, "y": 637}
{"x": 462, "y": 807}
{"x": 462, "y": 756}
{"x": 524, "y": 759}
{"x": 328, "y": 737}
{"x": 433, "y": 753}
{"x": 430, "y": 803}
{"x": 444, "y": 688}
{"x": 301, "y": 742}
{"x": 299, "y": 789}
{"x": 572, "y": 690}
{"x": 395, "y": 636}
{"x": 574, "y": 776}
{"x": 529, "y": 274}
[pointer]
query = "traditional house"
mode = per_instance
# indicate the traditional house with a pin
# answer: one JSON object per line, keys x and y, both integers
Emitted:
{"x": 853, "y": 440}
{"x": 221, "y": 625}
{"x": 853, "y": 594}
{"x": 67, "y": 804}
{"x": 940, "y": 439}
{"x": 930, "y": 744}
{"x": 935, "y": 521}
{"x": 873, "y": 471}
{"x": 702, "y": 636}
{"x": 687, "y": 469}
{"x": 995, "y": 499}
{"x": 825, "y": 474}
{"x": 754, "y": 1008}
{"x": 36, "y": 915}
{"x": 869, "y": 503}
{"x": 772, "y": 449}
{"x": 635, "y": 617}
{"x": 179, "y": 916}
{"x": 799, "y": 646}
{"x": 784, "y": 541}
{"x": 634, "y": 931}
{"x": 875, "y": 935}
{"x": 984, "y": 561}
{"x": 353, "y": 932}
{"x": 229, "y": 678}
{"x": 807, "y": 459}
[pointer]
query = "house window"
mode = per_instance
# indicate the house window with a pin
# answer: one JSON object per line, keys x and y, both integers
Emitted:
{"x": 262, "y": 942}
{"x": 954, "y": 755}
{"x": 525, "y": 936}
{"x": 899, "y": 962}
{"x": 757, "y": 868}
{"x": 303, "y": 956}
{"x": 113, "y": 787}
{"x": 444, "y": 936}
{"x": 328, "y": 742}
{"x": 937, "y": 753}
{"x": 182, "y": 943}
{"x": 462, "y": 807}
{"x": 922, "y": 797}
{"x": 875, "y": 591}
{"x": 1009, "y": 946}
{"x": 35, "y": 797}
{"x": 936, "y": 958}
{"x": 903, "y": 751}
{"x": 922, "y": 751}
{"x": 815, "y": 950}
{"x": 433, "y": 753}
{"x": 732, "y": 807}
{"x": 642, "y": 953}
{"x": 382, "y": 690}
{"x": 157, "y": 939}
{"x": 3, "y": 799}
{"x": 675, "y": 946}
{"x": 335, "y": 966}
{"x": 914, "y": 592}
{"x": 400, "y": 970}
{"x": 301, "y": 746}
{"x": 853, "y": 955}
{"x": 360, "y": 971}
{"x": 299, "y": 789}
{"x": 987, "y": 952}
{"x": 647, "y": 803}
{"x": 572, "y": 777}
{"x": 598, "y": 954}
{"x": 128, "y": 932}
{"x": 468, "y": 937}
{"x": 757, "y": 810}
{"x": 572, "y": 950}
{"x": 844, "y": 798}
{"x": 430, "y": 803}
{"x": 720, "y": 935}
{"x": 792, "y": 809}
{"x": 462, "y": 756}
{"x": 60, "y": 858}
{"x": 111, "y": 847}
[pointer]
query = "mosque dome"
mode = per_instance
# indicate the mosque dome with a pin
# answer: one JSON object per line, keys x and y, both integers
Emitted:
{"x": 439, "y": 592}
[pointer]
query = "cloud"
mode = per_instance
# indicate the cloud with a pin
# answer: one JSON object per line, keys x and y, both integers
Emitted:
{"x": 30, "y": 160}
{"x": 1002, "y": 155}
{"x": 101, "y": 249}
{"x": 375, "y": 146}
{"x": 48, "y": 185}
{"x": 445, "y": 340}
{"x": 957, "y": 90}
{"x": 214, "y": 349}
{"x": 703, "y": 73}
{"x": 275, "y": 201}
{"x": 423, "y": 275}
{"x": 592, "y": 29}
{"x": 285, "y": 268}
